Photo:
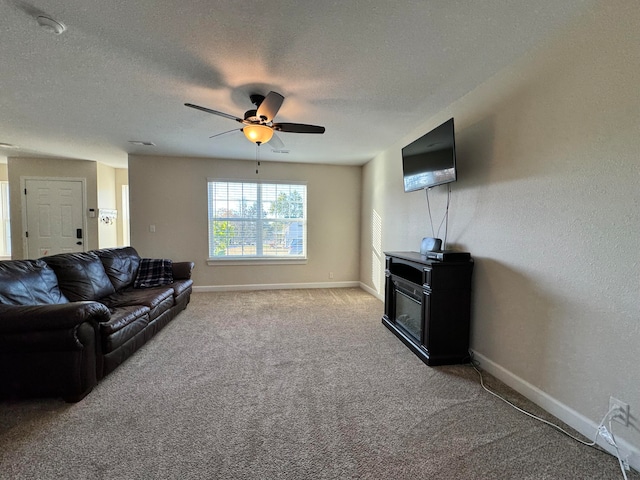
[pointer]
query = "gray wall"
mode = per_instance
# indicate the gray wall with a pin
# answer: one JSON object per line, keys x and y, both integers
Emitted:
{"x": 171, "y": 193}
{"x": 548, "y": 204}
{"x": 19, "y": 167}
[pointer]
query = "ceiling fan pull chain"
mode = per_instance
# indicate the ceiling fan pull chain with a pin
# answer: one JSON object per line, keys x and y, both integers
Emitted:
{"x": 257, "y": 157}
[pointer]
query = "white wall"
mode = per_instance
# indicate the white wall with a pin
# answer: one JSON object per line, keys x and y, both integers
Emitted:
{"x": 548, "y": 204}
{"x": 5, "y": 246}
{"x": 171, "y": 193}
{"x": 122, "y": 178}
{"x": 106, "y": 181}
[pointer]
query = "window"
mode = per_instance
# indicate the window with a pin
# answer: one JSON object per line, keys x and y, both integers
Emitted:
{"x": 256, "y": 220}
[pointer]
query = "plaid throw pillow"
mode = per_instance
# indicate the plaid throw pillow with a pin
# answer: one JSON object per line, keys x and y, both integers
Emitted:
{"x": 154, "y": 272}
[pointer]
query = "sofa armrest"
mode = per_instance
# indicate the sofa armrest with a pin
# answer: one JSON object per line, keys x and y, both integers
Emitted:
{"x": 27, "y": 318}
{"x": 51, "y": 350}
{"x": 58, "y": 327}
{"x": 182, "y": 270}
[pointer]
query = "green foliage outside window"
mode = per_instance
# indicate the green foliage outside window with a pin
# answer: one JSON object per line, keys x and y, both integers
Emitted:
{"x": 287, "y": 206}
{"x": 223, "y": 232}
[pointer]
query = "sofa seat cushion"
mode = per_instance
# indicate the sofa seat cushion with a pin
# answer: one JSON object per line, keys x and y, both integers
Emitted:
{"x": 81, "y": 276}
{"x": 158, "y": 299}
{"x": 29, "y": 282}
{"x": 120, "y": 264}
{"x": 125, "y": 323}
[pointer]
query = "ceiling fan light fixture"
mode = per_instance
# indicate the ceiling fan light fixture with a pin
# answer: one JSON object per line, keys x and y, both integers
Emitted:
{"x": 258, "y": 133}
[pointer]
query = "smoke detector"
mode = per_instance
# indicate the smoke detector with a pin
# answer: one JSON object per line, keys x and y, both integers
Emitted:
{"x": 50, "y": 25}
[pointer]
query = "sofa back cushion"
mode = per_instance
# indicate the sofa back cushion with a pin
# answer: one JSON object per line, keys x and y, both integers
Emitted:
{"x": 121, "y": 265}
{"x": 81, "y": 276}
{"x": 29, "y": 282}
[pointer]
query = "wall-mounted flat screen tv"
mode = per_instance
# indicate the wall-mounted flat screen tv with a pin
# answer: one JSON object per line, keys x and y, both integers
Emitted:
{"x": 431, "y": 159}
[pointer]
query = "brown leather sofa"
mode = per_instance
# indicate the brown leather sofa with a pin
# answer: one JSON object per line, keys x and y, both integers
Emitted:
{"x": 68, "y": 320}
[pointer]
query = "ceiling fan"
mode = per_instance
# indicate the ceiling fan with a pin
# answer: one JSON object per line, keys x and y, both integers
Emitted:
{"x": 259, "y": 126}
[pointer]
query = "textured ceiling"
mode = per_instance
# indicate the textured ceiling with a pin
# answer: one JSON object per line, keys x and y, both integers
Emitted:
{"x": 369, "y": 71}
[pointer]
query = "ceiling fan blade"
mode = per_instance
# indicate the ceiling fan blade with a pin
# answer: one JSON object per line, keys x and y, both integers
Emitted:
{"x": 270, "y": 106}
{"x": 215, "y": 112}
{"x": 276, "y": 142}
{"x": 297, "y": 128}
{"x": 224, "y": 133}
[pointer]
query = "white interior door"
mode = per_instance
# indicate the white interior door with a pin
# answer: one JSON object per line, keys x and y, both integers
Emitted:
{"x": 54, "y": 217}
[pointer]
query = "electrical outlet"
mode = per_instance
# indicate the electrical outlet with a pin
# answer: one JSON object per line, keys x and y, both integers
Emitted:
{"x": 330, "y": 275}
{"x": 621, "y": 415}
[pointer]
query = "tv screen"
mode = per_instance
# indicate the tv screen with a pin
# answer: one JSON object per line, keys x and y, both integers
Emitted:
{"x": 431, "y": 159}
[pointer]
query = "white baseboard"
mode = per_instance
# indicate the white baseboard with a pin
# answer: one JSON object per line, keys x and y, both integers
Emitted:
{"x": 371, "y": 291}
{"x": 274, "y": 286}
{"x": 577, "y": 421}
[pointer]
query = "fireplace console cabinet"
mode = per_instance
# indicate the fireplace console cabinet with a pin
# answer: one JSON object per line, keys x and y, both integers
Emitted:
{"x": 427, "y": 306}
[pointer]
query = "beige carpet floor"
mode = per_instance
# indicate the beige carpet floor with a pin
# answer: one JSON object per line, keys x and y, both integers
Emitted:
{"x": 298, "y": 384}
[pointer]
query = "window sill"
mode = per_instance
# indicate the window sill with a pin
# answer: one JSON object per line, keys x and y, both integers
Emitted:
{"x": 257, "y": 261}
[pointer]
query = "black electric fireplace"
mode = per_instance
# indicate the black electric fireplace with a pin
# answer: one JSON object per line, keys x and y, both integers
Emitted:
{"x": 427, "y": 306}
{"x": 408, "y": 308}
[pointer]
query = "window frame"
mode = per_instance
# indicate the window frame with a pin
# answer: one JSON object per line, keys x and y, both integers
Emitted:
{"x": 260, "y": 221}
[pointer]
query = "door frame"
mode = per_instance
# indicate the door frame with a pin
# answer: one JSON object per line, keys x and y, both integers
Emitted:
{"x": 23, "y": 183}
